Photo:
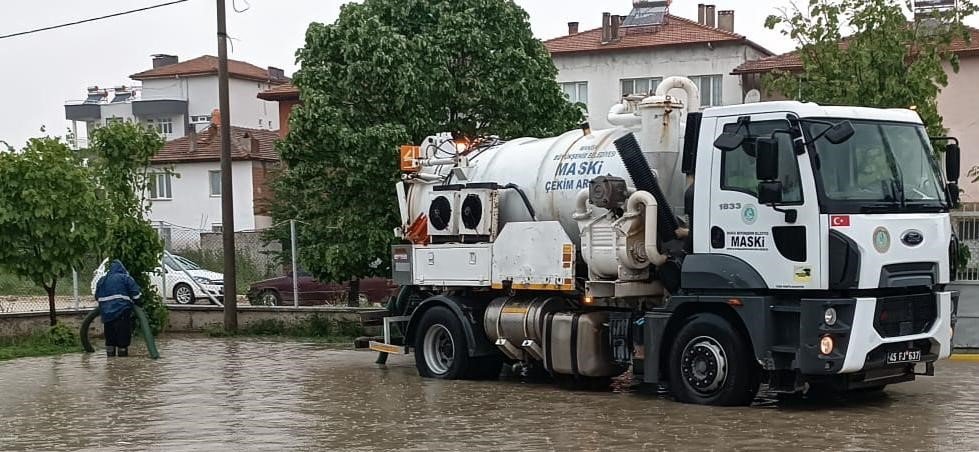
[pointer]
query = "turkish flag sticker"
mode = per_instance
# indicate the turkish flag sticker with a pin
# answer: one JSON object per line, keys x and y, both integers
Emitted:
{"x": 840, "y": 221}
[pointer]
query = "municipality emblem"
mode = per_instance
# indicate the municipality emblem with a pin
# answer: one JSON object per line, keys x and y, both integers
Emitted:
{"x": 882, "y": 240}
{"x": 749, "y": 214}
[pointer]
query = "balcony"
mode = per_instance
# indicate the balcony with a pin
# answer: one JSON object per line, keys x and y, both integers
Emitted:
{"x": 157, "y": 108}
{"x": 83, "y": 111}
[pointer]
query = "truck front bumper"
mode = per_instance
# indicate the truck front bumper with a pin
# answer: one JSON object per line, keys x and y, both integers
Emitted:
{"x": 867, "y": 334}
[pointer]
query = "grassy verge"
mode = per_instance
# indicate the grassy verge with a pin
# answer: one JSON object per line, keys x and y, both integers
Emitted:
{"x": 56, "y": 340}
{"x": 316, "y": 328}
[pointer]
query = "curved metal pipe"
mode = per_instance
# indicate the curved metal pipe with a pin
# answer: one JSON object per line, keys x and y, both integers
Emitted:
{"x": 582, "y": 212}
{"x": 687, "y": 85}
{"x": 641, "y": 198}
{"x": 618, "y": 117}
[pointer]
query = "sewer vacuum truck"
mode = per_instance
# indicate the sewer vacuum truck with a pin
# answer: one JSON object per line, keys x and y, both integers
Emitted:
{"x": 784, "y": 243}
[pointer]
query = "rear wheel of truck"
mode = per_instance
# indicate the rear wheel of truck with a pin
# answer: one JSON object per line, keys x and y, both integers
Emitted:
{"x": 441, "y": 349}
{"x": 711, "y": 363}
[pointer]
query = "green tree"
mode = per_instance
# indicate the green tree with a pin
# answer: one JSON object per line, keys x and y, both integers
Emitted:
{"x": 50, "y": 215}
{"x": 122, "y": 156}
{"x": 391, "y": 72}
{"x": 884, "y": 61}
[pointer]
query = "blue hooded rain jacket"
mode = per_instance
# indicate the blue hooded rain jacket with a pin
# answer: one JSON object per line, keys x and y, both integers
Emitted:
{"x": 116, "y": 292}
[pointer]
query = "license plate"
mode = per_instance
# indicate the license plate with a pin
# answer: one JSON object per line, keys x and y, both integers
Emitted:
{"x": 904, "y": 356}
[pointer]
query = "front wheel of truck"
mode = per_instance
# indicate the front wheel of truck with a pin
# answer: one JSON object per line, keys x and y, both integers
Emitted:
{"x": 711, "y": 363}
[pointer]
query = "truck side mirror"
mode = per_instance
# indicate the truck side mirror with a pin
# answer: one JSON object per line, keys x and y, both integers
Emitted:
{"x": 766, "y": 159}
{"x": 770, "y": 193}
{"x": 953, "y": 162}
{"x": 840, "y": 133}
{"x": 728, "y": 141}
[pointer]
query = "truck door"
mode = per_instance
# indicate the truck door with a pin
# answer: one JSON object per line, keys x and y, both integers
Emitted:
{"x": 786, "y": 254}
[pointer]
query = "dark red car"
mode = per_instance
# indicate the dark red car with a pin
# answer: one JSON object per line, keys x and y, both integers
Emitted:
{"x": 278, "y": 291}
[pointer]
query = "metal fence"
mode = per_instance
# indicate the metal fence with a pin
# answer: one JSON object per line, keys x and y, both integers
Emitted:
{"x": 194, "y": 259}
{"x": 191, "y": 272}
{"x": 194, "y": 263}
{"x": 965, "y": 222}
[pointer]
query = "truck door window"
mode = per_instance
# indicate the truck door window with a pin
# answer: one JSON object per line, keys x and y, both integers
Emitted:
{"x": 738, "y": 166}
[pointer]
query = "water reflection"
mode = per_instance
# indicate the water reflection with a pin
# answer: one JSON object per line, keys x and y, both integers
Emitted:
{"x": 208, "y": 394}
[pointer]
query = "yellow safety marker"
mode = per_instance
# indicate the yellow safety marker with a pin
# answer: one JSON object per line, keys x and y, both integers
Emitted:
{"x": 965, "y": 357}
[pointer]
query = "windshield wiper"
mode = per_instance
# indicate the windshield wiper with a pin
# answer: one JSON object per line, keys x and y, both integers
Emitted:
{"x": 880, "y": 208}
{"x": 925, "y": 207}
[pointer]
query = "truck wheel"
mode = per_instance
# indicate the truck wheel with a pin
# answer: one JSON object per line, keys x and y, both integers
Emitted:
{"x": 711, "y": 363}
{"x": 441, "y": 350}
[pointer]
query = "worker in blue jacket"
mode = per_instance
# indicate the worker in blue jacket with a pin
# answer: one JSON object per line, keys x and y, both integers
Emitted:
{"x": 116, "y": 293}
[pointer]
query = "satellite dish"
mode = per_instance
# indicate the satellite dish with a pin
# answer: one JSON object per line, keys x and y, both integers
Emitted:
{"x": 753, "y": 96}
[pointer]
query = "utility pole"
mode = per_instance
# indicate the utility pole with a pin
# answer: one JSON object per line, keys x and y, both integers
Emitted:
{"x": 227, "y": 200}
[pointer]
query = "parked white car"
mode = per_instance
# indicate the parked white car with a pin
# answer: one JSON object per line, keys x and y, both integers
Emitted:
{"x": 173, "y": 283}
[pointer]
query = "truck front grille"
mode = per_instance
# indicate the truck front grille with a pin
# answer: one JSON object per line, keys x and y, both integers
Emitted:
{"x": 905, "y": 315}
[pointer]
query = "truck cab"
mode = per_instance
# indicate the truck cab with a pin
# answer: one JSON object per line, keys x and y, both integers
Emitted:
{"x": 791, "y": 244}
{"x": 832, "y": 222}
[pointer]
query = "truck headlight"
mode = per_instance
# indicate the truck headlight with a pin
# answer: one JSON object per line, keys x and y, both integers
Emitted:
{"x": 830, "y": 316}
{"x": 826, "y": 345}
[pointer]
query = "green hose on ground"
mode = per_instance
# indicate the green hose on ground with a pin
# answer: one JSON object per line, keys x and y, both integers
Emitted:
{"x": 144, "y": 328}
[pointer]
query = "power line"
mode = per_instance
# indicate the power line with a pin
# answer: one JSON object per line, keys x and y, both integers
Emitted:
{"x": 123, "y": 13}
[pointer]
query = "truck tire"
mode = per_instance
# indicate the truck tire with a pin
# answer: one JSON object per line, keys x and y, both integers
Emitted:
{"x": 441, "y": 349}
{"x": 711, "y": 363}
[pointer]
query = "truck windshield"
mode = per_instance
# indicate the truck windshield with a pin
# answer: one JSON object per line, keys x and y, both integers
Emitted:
{"x": 884, "y": 167}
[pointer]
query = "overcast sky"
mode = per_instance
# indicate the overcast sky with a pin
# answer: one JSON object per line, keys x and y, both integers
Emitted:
{"x": 39, "y": 72}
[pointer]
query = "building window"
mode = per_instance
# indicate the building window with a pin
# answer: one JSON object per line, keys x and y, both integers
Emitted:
{"x": 217, "y": 228}
{"x": 711, "y": 93}
{"x": 738, "y": 165}
{"x": 162, "y": 125}
{"x": 576, "y": 92}
{"x": 159, "y": 186}
{"x": 646, "y": 86}
{"x": 215, "y": 182}
{"x": 112, "y": 120}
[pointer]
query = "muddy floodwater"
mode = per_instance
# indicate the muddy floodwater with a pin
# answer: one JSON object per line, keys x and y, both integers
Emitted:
{"x": 210, "y": 394}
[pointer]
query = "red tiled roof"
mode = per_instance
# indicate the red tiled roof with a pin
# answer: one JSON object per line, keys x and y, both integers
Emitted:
{"x": 246, "y": 144}
{"x": 792, "y": 61}
{"x": 287, "y": 91}
{"x": 208, "y": 65}
{"x": 676, "y": 31}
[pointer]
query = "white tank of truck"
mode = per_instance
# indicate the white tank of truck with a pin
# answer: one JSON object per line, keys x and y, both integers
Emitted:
{"x": 553, "y": 172}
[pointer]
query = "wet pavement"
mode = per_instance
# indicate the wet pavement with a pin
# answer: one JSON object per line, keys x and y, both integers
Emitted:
{"x": 210, "y": 394}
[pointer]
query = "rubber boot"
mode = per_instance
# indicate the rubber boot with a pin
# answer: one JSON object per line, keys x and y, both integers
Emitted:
{"x": 110, "y": 351}
{"x": 123, "y": 352}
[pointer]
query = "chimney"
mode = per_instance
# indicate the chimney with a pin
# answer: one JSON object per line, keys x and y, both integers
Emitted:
{"x": 276, "y": 73}
{"x": 606, "y": 28}
{"x": 711, "y": 16}
{"x": 616, "y": 25}
{"x": 725, "y": 20}
{"x": 702, "y": 14}
{"x": 160, "y": 60}
{"x": 573, "y": 28}
{"x": 216, "y": 118}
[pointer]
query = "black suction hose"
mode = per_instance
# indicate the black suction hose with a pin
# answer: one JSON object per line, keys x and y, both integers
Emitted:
{"x": 523, "y": 196}
{"x": 635, "y": 163}
{"x": 144, "y": 328}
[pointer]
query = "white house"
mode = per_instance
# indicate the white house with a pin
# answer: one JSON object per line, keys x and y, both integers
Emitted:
{"x": 185, "y": 182}
{"x": 178, "y": 97}
{"x": 632, "y": 54}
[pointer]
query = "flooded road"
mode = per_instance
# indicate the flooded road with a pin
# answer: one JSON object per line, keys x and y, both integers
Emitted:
{"x": 211, "y": 394}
